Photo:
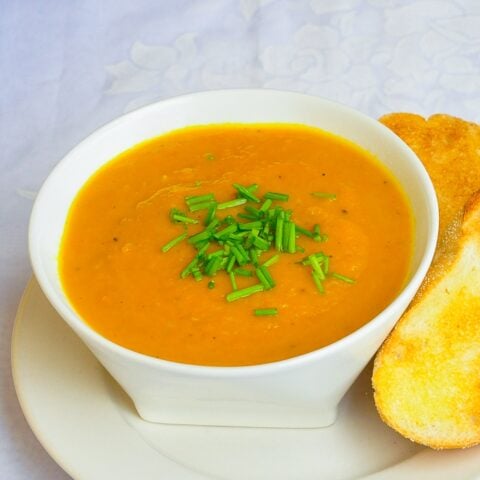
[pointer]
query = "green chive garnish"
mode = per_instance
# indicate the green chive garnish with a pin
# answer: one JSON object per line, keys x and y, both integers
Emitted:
{"x": 266, "y": 205}
{"x": 230, "y": 263}
{"x": 210, "y": 215}
{"x": 237, "y": 247}
{"x": 279, "y": 232}
{"x": 344, "y": 278}
{"x": 243, "y": 272}
{"x": 262, "y": 312}
{"x": 225, "y": 232}
{"x": 283, "y": 197}
{"x": 194, "y": 199}
{"x": 231, "y": 203}
{"x": 245, "y": 292}
{"x": 183, "y": 219}
{"x": 188, "y": 269}
{"x": 303, "y": 231}
{"x": 250, "y": 225}
{"x": 245, "y": 192}
{"x": 233, "y": 281}
{"x": 318, "y": 282}
{"x": 205, "y": 235}
{"x": 174, "y": 242}
{"x": 195, "y": 207}
{"x": 271, "y": 261}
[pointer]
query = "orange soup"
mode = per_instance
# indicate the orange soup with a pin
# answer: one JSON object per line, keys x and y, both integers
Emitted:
{"x": 148, "y": 280}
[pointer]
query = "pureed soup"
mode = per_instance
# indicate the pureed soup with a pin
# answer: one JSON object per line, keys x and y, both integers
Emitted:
{"x": 236, "y": 244}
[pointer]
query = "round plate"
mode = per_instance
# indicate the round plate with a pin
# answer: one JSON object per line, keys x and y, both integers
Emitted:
{"x": 90, "y": 427}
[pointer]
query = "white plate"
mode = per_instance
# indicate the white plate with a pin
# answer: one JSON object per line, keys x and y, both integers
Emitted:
{"x": 89, "y": 426}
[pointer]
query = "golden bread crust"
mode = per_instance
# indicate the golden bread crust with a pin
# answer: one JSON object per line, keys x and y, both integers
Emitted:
{"x": 426, "y": 376}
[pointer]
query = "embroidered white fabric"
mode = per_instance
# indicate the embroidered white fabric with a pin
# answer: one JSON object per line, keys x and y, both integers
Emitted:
{"x": 68, "y": 67}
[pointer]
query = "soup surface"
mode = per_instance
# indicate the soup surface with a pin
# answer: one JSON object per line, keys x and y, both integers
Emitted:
{"x": 124, "y": 286}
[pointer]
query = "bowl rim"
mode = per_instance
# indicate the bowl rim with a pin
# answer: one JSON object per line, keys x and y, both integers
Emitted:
{"x": 78, "y": 325}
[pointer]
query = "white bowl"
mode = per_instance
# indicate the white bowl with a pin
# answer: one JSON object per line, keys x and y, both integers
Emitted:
{"x": 303, "y": 391}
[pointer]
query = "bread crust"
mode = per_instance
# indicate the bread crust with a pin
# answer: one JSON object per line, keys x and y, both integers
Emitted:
{"x": 426, "y": 376}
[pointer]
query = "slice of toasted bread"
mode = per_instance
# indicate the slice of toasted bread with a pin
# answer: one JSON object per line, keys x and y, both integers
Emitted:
{"x": 426, "y": 376}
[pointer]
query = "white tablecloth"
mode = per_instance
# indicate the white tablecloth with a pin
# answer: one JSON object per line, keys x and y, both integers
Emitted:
{"x": 67, "y": 67}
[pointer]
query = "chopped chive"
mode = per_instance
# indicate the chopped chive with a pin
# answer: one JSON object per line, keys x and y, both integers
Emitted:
{"x": 266, "y": 229}
{"x": 252, "y": 188}
{"x": 330, "y": 196}
{"x": 283, "y": 197}
{"x": 250, "y": 225}
{"x": 201, "y": 206}
{"x": 213, "y": 224}
{"x": 247, "y": 217}
{"x": 318, "y": 282}
{"x": 183, "y": 219}
{"x": 233, "y": 281}
{"x": 326, "y": 264}
{"x": 243, "y": 272}
{"x": 303, "y": 231}
{"x": 287, "y": 226}
{"x": 241, "y": 260}
{"x": 245, "y": 292}
{"x": 209, "y": 156}
{"x": 212, "y": 266}
{"x": 279, "y": 233}
{"x": 265, "y": 271}
{"x": 188, "y": 269}
{"x": 204, "y": 235}
{"x": 218, "y": 253}
{"x": 317, "y": 236}
{"x": 243, "y": 252}
{"x": 244, "y": 192}
{"x": 197, "y": 274}
{"x": 266, "y": 205}
{"x": 291, "y": 239}
{"x": 320, "y": 256}
{"x": 238, "y": 236}
{"x": 223, "y": 264}
{"x": 316, "y": 266}
{"x": 210, "y": 215}
{"x": 174, "y": 242}
{"x": 261, "y": 243}
{"x": 202, "y": 249}
{"x": 344, "y": 278}
{"x": 300, "y": 249}
{"x": 251, "y": 237}
{"x": 265, "y": 278}
{"x": 231, "y": 262}
{"x": 271, "y": 261}
{"x": 175, "y": 211}
{"x": 254, "y": 257}
{"x": 253, "y": 211}
{"x": 231, "y": 203}
{"x": 261, "y": 312}
{"x": 199, "y": 199}
{"x": 225, "y": 232}
{"x": 229, "y": 220}
{"x": 211, "y": 284}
